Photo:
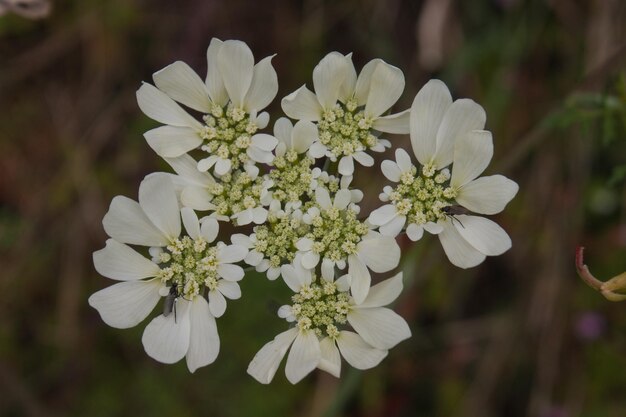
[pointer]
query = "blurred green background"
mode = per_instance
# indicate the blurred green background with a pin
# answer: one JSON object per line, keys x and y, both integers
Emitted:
{"x": 519, "y": 335}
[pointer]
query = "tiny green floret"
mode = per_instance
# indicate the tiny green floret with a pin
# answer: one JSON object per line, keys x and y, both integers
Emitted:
{"x": 227, "y": 133}
{"x": 345, "y": 129}
{"x": 292, "y": 176}
{"x": 321, "y": 307}
{"x": 235, "y": 192}
{"x": 421, "y": 197}
{"x": 336, "y": 233}
{"x": 190, "y": 265}
{"x": 276, "y": 240}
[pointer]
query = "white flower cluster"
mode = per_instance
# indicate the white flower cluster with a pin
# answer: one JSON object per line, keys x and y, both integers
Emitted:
{"x": 290, "y": 194}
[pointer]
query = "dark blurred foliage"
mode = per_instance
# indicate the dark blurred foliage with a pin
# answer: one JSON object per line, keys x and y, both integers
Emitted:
{"x": 518, "y": 336}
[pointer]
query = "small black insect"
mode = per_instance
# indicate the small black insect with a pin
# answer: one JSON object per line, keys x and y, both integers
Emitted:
{"x": 451, "y": 211}
{"x": 170, "y": 302}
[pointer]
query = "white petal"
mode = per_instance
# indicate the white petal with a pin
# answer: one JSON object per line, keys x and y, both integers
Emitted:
{"x": 380, "y": 327}
{"x": 230, "y": 290}
{"x": 120, "y": 262}
{"x": 384, "y": 292}
{"x": 398, "y": 123}
{"x": 264, "y": 86}
{"x": 414, "y": 232}
{"x": 472, "y": 154}
{"x": 265, "y": 363}
{"x": 291, "y": 277}
{"x": 158, "y": 106}
{"x": 303, "y": 135}
{"x": 264, "y": 142}
{"x": 328, "y": 76}
{"x": 404, "y": 160}
{"x": 363, "y": 159}
{"x": 285, "y": 312}
{"x": 383, "y": 215}
{"x": 187, "y": 168}
{"x": 172, "y": 141}
{"x": 487, "y": 195}
{"x": 304, "y": 244}
{"x": 381, "y": 254}
{"x": 330, "y": 358}
{"x": 462, "y": 117}
{"x": 126, "y": 222}
{"x": 317, "y": 150}
{"x": 244, "y": 217}
{"x": 253, "y": 258}
{"x": 222, "y": 166}
{"x": 360, "y": 278}
{"x": 273, "y": 273}
{"x": 427, "y": 111}
{"x": 342, "y": 199}
{"x": 181, "y": 83}
{"x": 346, "y": 91}
{"x": 166, "y": 339}
{"x": 304, "y": 356}
{"x": 302, "y": 104}
{"x": 458, "y": 250}
{"x": 126, "y": 304}
{"x": 310, "y": 260}
{"x": 190, "y": 220}
{"x": 217, "y": 303}
{"x": 391, "y": 170}
{"x": 231, "y": 254}
{"x": 157, "y": 199}
{"x": 204, "y": 342}
{"x": 209, "y": 228}
{"x": 484, "y": 235}
{"x": 358, "y": 353}
{"x": 328, "y": 270}
{"x": 394, "y": 227}
{"x": 282, "y": 130}
{"x": 259, "y": 215}
{"x": 323, "y": 198}
{"x": 386, "y": 88}
{"x": 259, "y": 155}
{"x": 364, "y": 81}
{"x": 230, "y": 272}
{"x": 236, "y": 64}
{"x": 213, "y": 81}
{"x": 346, "y": 165}
{"x": 433, "y": 228}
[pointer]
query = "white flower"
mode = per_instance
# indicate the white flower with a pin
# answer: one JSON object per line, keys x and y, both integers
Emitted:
{"x": 337, "y": 237}
{"x": 322, "y": 311}
{"x": 439, "y": 199}
{"x": 241, "y": 195}
{"x": 348, "y": 110}
{"x": 180, "y": 265}
{"x": 234, "y": 92}
{"x": 291, "y": 177}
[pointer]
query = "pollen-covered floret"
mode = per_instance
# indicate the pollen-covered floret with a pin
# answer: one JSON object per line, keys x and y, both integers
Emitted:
{"x": 422, "y": 196}
{"x": 276, "y": 239}
{"x": 344, "y": 129}
{"x": 235, "y": 192}
{"x": 291, "y": 177}
{"x": 321, "y": 307}
{"x": 189, "y": 265}
{"x": 336, "y": 233}
{"x": 227, "y": 133}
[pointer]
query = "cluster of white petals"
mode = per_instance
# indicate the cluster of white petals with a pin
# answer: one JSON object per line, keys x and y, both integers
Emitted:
{"x": 291, "y": 192}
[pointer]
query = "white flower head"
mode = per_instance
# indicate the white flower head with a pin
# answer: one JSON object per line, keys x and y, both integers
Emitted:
{"x": 231, "y": 99}
{"x": 338, "y": 238}
{"x": 184, "y": 266}
{"x": 328, "y": 325}
{"x": 349, "y": 109}
{"x": 441, "y": 199}
{"x": 239, "y": 196}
